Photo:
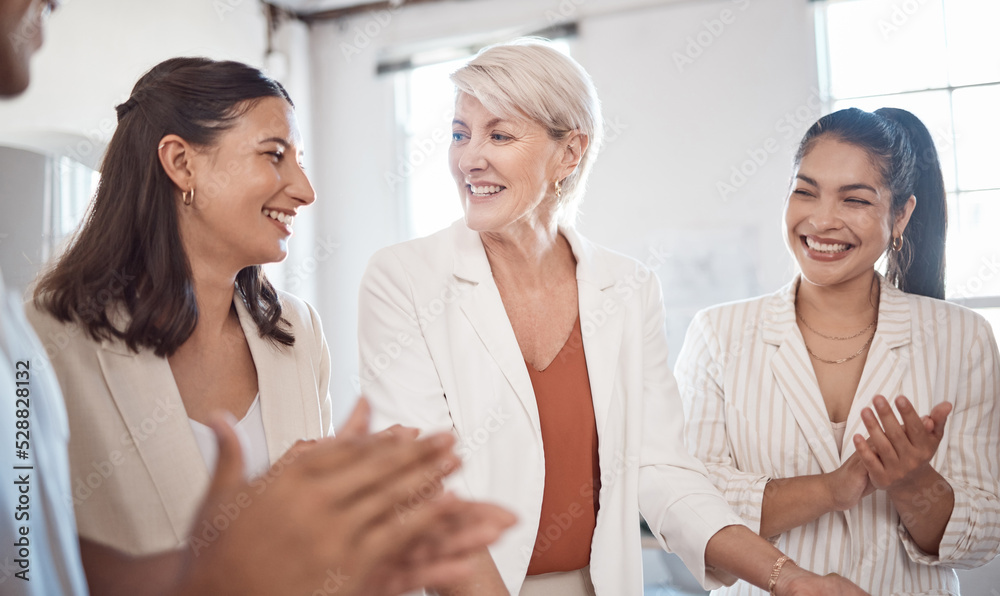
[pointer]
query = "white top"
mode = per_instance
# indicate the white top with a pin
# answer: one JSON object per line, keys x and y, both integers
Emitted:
{"x": 53, "y": 555}
{"x": 839, "y": 430}
{"x": 250, "y": 430}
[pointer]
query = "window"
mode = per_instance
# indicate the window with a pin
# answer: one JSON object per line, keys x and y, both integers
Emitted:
{"x": 939, "y": 59}
{"x": 426, "y": 100}
{"x": 74, "y": 186}
{"x": 425, "y": 103}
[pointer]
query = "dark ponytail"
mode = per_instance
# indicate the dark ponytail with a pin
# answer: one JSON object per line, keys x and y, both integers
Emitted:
{"x": 919, "y": 267}
{"x": 904, "y": 152}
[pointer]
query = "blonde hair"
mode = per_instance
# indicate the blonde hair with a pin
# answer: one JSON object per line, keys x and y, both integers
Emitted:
{"x": 529, "y": 78}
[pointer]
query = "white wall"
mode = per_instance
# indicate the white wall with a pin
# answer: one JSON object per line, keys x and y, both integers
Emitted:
{"x": 690, "y": 92}
{"x": 24, "y": 174}
{"x": 94, "y": 52}
{"x": 674, "y": 133}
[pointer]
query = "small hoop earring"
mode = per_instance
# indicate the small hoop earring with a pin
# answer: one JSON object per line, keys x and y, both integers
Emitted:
{"x": 558, "y": 189}
{"x": 897, "y": 243}
{"x": 188, "y": 197}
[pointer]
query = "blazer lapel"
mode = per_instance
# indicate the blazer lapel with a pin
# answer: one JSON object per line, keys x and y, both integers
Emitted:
{"x": 602, "y": 330}
{"x": 886, "y": 362}
{"x": 146, "y": 395}
{"x": 286, "y": 418}
{"x": 484, "y": 308}
{"x": 794, "y": 375}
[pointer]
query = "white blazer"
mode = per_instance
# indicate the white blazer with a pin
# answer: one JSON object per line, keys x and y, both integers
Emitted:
{"x": 136, "y": 472}
{"x": 438, "y": 353}
{"x": 755, "y": 412}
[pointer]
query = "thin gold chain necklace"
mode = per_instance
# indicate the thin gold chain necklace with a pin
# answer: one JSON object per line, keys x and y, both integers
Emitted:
{"x": 809, "y": 327}
{"x": 842, "y": 360}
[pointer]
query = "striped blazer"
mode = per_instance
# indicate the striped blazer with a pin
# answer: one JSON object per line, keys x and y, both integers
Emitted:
{"x": 754, "y": 412}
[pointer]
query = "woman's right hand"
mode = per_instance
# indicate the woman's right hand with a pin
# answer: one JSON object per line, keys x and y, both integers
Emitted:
{"x": 849, "y": 483}
{"x": 795, "y": 581}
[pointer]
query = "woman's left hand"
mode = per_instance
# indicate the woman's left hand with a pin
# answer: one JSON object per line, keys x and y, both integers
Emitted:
{"x": 898, "y": 455}
{"x": 810, "y": 584}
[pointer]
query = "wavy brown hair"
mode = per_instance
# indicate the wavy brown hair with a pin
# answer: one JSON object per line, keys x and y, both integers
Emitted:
{"x": 127, "y": 256}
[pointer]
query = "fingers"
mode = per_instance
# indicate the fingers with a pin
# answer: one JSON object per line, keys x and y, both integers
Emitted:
{"x": 928, "y": 423}
{"x": 403, "y": 492}
{"x": 444, "y": 531}
{"x": 914, "y": 427}
{"x": 444, "y": 573}
{"x": 392, "y": 534}
{"x": 301, "y": 446}
{"x": 398, "y": 430}
{"x": 390, "y": 460}
{"x": 229, "y": 464}
{"x": 926, "y": 431}
{"x": 891, "y": 427}
{"x": 471, "y": 526}
{"x": 385, "y": 478}
{"x": 939, "y": 414}
{"x": 868, "y": 457}
{"x": 357, "y": 423}
{"x": 877, "y": 438}
{"x": 853, "y": 460}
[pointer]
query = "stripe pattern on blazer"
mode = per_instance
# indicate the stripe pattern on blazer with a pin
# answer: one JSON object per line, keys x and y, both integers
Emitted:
{"x": 755, "y": 412}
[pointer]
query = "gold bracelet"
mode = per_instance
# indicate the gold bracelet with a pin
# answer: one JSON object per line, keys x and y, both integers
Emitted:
{"x": 776, "y": 571}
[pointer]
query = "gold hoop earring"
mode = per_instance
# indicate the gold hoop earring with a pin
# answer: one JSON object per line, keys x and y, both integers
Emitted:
{"x": 897, "y": 243}
{"x": 558, "y": 189}
{"x": 188, "y": 197}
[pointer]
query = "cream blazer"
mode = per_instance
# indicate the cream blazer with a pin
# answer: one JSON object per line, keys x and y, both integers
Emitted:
{"x": 755, "y": 412}
{"x": 438, "y": 353}
{"x": 136, "y": 473}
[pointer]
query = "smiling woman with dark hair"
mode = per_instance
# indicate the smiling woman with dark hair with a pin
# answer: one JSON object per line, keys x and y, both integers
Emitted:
{"x": 168, "y": 313}
{"x": 779, "y": 389}
{"x": 180, "y": 218}
{"x": 158, "y": 316}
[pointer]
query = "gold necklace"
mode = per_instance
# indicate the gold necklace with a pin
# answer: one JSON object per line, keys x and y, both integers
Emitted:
{"x": 842, "y": 360}
{"x": 809, "y": 327}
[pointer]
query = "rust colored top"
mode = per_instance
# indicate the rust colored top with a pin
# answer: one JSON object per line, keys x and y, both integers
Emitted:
{"x": 572, "y": 468}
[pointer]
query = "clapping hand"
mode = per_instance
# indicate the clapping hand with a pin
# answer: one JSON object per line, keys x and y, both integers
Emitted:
{"x": 896, "y": 454}
{"x": 337, "y": 514}
{"x": 849, "y": 483}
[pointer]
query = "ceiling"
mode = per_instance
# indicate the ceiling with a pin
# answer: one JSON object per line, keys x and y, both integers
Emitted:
{"x": 310, "y": 6}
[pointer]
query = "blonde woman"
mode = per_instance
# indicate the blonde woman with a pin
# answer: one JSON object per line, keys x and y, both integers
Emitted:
{"x": 546, "y": 355}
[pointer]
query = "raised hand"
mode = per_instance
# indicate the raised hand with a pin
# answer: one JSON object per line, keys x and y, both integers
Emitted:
{"x": 895, "y": 454}
{"x": 898, "y": 457}
{"x": 330, "y": 516}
